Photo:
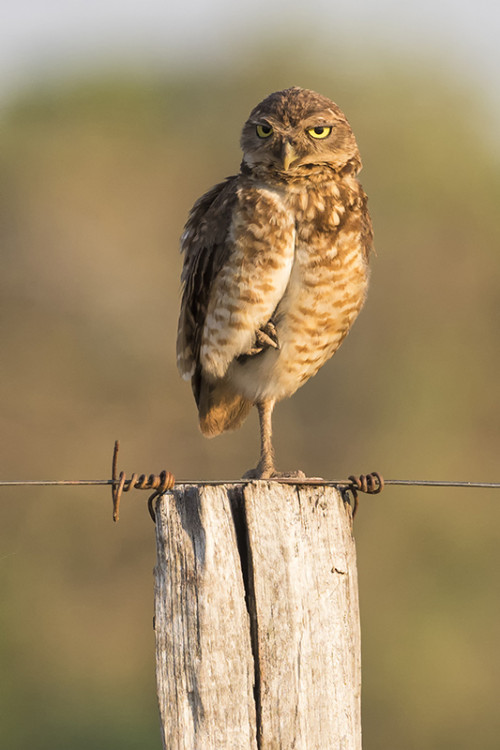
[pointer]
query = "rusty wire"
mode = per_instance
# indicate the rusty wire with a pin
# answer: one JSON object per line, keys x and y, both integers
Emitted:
{"x": 160, "y": 483}
{"x": 372, "y": 483}
{"x": 340, "y": 483}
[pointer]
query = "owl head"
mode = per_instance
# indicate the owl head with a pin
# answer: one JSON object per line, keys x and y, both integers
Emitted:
{"x": 295, "y": 130}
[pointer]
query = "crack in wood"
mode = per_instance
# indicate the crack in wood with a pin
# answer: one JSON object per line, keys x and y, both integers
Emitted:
{"x": 236, "y": 497}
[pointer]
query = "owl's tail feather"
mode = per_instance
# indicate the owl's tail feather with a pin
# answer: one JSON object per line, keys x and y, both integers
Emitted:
{"x": 220, "y": 409}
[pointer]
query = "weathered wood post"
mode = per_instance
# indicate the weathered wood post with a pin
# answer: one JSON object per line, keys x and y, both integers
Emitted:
{"x": 257, "y": 618}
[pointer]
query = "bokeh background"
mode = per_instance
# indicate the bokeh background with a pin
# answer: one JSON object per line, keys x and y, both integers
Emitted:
{"x": 115, "y": 117}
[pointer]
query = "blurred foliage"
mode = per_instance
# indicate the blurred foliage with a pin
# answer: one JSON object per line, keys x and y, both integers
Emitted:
{"x": 97, "y": 177}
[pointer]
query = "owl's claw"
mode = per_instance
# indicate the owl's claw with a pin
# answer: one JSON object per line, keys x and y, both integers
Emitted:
{"x": 259, "y": 473}
{"x": 265, "y": 337}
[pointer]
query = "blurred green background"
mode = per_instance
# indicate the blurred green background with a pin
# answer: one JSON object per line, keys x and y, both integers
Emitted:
{"x": 98, "y": 169}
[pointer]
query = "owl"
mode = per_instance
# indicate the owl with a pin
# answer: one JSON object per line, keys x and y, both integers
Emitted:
{"x": 275, "y": 265}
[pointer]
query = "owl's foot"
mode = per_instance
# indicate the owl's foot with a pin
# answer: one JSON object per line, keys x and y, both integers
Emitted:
{"x": 299, "y": 474}
{"x": 264, "y": 469}
{"x": 266, "y": 337}
{"x": 257, "y": 473}
{"x": 270, "y": 473}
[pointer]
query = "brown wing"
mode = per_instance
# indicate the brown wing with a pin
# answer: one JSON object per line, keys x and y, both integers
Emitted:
{"x": 205, "y": 252}
{"x": 233, "y": 274}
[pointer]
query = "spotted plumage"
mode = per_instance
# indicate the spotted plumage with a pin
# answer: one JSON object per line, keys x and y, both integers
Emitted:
{"x": 275, "y": 264}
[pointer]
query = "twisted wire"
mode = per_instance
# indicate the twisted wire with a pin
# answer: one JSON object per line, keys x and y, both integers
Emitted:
{"x": 160, "y": 483}
{"x": 372, "y": 483}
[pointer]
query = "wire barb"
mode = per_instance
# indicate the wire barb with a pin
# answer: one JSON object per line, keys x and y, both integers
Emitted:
{"x": 371, "y": 484}
{"x": 160, "y": 483}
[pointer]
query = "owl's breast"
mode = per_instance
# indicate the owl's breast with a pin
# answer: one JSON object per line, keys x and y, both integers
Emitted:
{"x": 324, "y": 295}
{"x": 326, "y": 291}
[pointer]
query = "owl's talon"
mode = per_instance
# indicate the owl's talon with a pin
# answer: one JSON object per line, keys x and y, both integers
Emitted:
{"x": 263, "y": 340}
{"x": 273, "y": 475}
{"x": 269, "y": 334}
{"x": 299, "y": 474}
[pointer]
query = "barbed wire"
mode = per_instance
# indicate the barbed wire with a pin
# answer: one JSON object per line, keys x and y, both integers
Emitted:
{"x": 372, "y": 483}
{"x": 340, "y": 483}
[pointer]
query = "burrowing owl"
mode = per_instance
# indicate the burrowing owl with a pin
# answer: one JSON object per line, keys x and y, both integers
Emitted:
{"x": 275, "y": 264}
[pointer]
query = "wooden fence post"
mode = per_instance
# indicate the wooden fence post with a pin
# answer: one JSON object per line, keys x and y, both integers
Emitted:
{"x": 257, "y": 619}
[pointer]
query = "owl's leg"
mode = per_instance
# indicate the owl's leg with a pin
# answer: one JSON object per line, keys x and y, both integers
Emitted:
{"x": 265, "y": 467}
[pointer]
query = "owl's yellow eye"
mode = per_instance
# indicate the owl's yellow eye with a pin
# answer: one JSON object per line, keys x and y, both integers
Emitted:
{"x": 264, "y": 131}
{"x": 320, "y": 131}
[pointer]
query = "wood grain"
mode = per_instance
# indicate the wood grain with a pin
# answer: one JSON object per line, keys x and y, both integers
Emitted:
{"x": 257, "y": 619}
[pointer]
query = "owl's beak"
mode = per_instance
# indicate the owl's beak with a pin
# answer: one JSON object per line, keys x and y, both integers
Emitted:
{"x": 288, "y": 155}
